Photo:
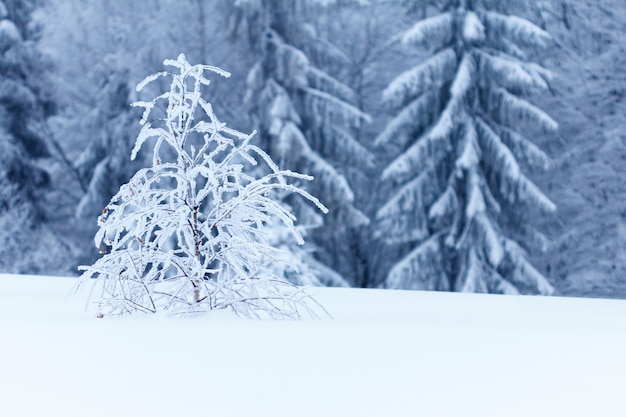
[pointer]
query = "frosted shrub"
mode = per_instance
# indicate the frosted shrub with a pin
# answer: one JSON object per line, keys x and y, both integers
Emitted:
{"x": 188, "y": 234}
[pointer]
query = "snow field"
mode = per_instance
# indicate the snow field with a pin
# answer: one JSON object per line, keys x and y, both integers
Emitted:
{"x": 385, "y": 353}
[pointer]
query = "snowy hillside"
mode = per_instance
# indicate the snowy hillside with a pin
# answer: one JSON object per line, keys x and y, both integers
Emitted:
{"x": 385, "y": 353}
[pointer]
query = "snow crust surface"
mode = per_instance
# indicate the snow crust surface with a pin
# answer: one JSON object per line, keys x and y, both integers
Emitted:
{"x": 384, "y": 353}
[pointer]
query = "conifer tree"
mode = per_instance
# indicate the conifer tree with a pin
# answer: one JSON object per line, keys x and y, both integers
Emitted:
{"x": 305, "y": 117}
{"x": 463, "y": 203}
{"x": 188, "y": 233}
{"x": 26, "y": 243}
{"x": 24, "y": 104}
{"x": 104, "y": 164}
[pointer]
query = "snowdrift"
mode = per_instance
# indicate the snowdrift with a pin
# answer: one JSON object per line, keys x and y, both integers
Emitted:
{"x": 385, "y": 353}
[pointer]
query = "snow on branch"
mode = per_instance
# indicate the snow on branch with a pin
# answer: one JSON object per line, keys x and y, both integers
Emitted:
{"x": 330, "y": 183}
{"x": 255, "y": 81}
{"x": 499, "y": 155}
{"x": 421, "y": 269}
{"x": 446, "y": 205}
{"x": 523, "y": 273}
{"x": 403, "y": 218}
{"x": 513, "y": 185}
{"x": 473, "y": 29}
{"x": 513, "y": 111}
{"x": 524, "y": 149}
{"x": 527, "y": 190}
{"x": 189, "y": 233}
{"x": 472, "y": 276}
{"x": 327, "y": 3}
{"x": 320, "y": 80}
{"x": 469, "y": 152}
{"x": 507, "y": 47}
{"x": 418, "y": 114}
{"x": 498, "y": 285}
{"x": 464, "y": 77}
{"x": 329, "y": 107}
{"x": 320, "y": 48}
{"x": 291, "y": 143}
{"x": 539, "y": 73}
{"x": 347, "y": 216}
{"x": 289, "y": 63}
{"x": 410, "y": 84}
{"x": 530, "y": 237}
{"x": 434, "y": 32}
{"x": 281, "y": 108}
{"x": 9, "y": 34}
{"x": 492, "y": 204}
{"x": 515, "y": 28}
{"x": 293, "y": 148}
{"x": 429, "y": 148}
{"x": 475, "y": 204}
{"x": 339, "y": 145}
{"x": 510, "y": 73}
{"x": 490, "y": 238}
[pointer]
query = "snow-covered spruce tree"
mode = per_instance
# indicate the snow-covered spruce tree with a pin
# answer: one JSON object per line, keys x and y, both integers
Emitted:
{"x": 464, "y": 205}
{"x": 305, "y": 117}
{"x": 188, "y": 233}
{"x": 23, "y": 107}
{"x": 26, "y": 243}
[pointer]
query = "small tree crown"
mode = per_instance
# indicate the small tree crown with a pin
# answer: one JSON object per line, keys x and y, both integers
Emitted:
{"x": 188, "y": 233}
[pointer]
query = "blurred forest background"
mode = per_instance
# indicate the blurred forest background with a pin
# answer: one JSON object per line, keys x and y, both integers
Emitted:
{"x": 321, "y": 82}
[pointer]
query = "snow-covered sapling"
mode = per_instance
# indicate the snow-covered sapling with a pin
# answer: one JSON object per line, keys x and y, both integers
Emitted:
{"x": 189, "y": 234}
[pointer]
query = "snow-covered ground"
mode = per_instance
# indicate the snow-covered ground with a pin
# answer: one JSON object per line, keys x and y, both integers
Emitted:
{"x": 385, "y": 353}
